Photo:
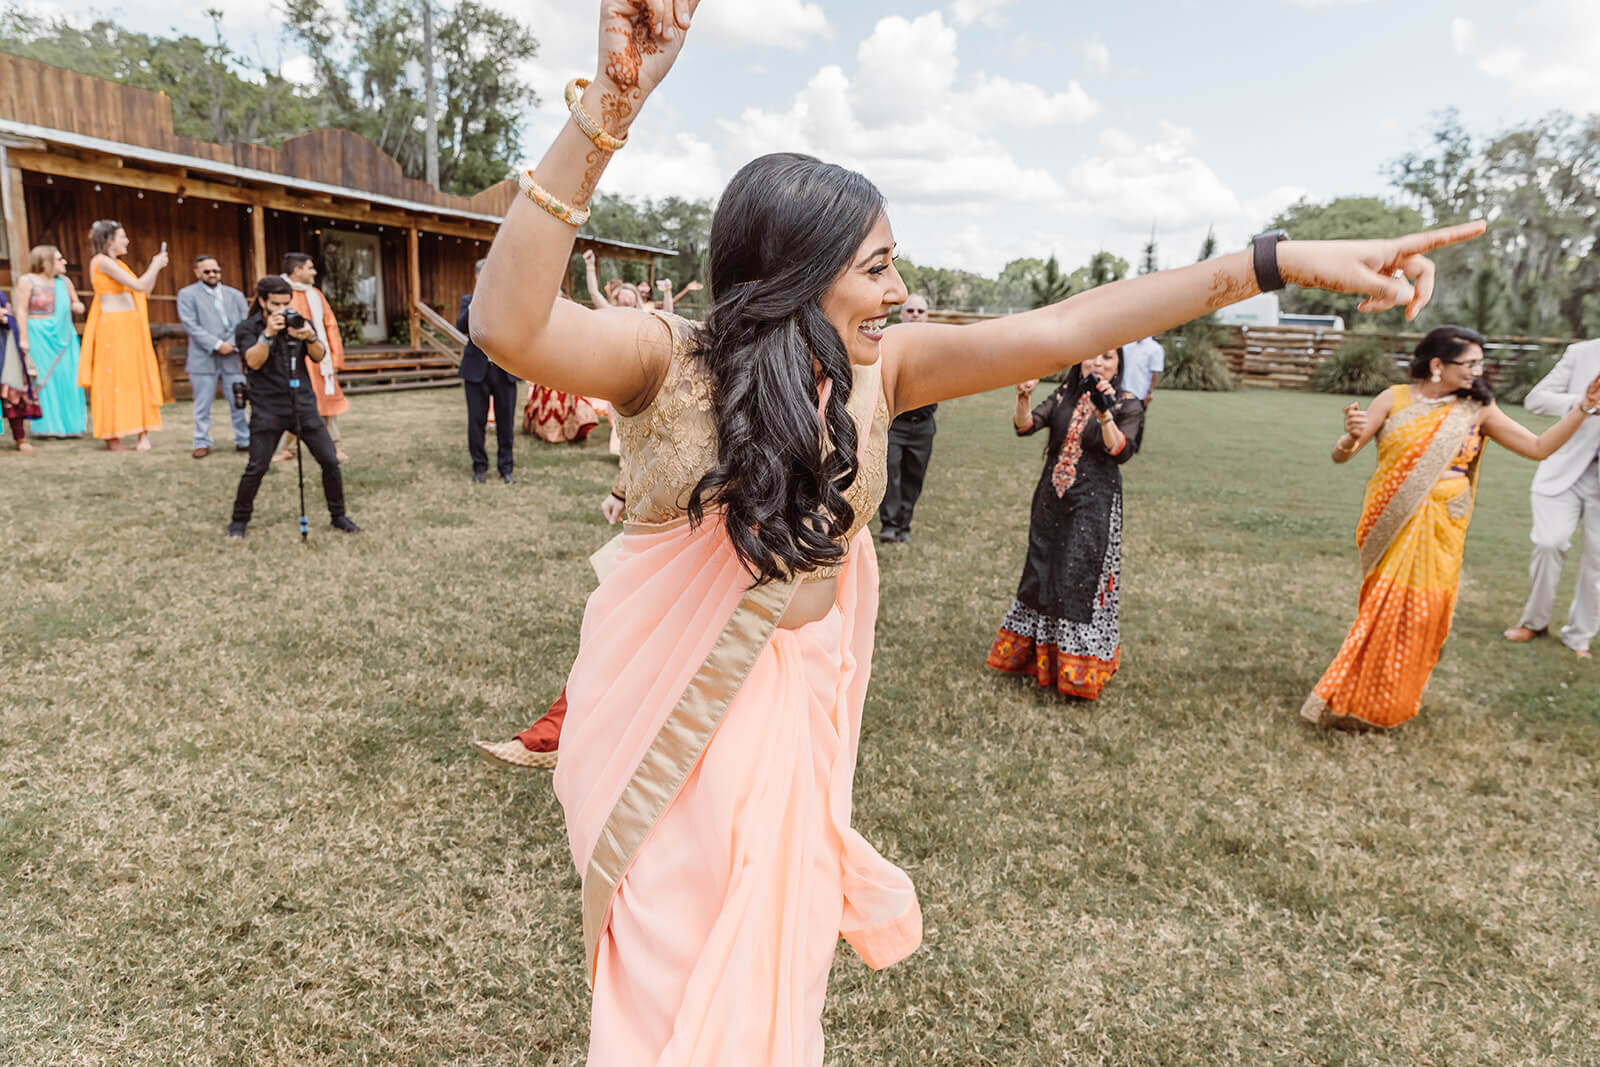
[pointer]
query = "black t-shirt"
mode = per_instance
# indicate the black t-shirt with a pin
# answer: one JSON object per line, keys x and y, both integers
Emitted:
{"x": 269, "y": 385}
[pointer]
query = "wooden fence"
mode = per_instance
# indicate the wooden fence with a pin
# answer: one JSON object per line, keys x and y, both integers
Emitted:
{"x": 1285, "y": 357}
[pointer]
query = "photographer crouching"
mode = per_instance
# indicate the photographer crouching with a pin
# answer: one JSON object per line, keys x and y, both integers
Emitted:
{"x": 277, "y": 342}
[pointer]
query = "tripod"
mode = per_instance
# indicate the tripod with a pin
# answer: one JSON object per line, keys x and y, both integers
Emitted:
{"x": 297, "y": 348}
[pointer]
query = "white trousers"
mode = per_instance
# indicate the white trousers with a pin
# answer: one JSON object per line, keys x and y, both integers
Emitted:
{"x": 1555, "y": 520}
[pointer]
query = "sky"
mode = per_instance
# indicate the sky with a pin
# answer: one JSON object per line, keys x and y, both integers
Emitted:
{"x": 1007, "y": 128}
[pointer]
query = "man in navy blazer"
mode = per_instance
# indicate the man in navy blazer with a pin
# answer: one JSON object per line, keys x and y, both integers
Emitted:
{"x": 483, "y": 381}
{"x": 210, "y": 312}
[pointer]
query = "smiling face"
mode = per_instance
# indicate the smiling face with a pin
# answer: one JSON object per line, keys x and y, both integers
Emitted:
{"x": 119, "y": 244}
{"x": 860, "y": 299}
{"x": 627, "y": 297}
{"x": 1462, "y": 371}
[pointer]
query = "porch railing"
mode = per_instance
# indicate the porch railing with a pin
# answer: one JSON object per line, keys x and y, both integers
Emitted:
{"x": 436, "y": 333}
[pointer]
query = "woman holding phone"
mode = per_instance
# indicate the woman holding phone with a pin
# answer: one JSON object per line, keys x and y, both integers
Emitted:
{"x": 1062, "y": 627}
{"x": 118, "y": 365}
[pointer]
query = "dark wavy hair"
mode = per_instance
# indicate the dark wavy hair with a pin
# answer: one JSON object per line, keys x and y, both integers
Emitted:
{"x": 786, "y": 227}
{"x": 1446, "y": 343}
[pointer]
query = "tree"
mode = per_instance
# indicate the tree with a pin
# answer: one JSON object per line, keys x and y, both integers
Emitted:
{"x": 1208, "y": 247}
{"x": 368, "y": 78}
{"x": 1147, "y": 262}
{"x": 1014, "y": 286}
{"x": 215, "y": 95}
{"x": 675, "y": 223}
{"x": 1050, "y": 286}
{"x": 1484, "y": 303}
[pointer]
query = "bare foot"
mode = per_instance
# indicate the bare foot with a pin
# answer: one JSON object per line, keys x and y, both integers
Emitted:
{"x": 1583, "y": 653}
{"x": 23, "y": 446}
{"x": 1523, "y": 634}
{"x": 114, "y": 444}
{"x": 144, "y": 443}
{"x": 281, "y": 455}
{"x": 340, "y": 454}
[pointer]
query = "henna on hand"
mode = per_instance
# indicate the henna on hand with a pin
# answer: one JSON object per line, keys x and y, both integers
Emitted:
{"x": 1227, "y": 289}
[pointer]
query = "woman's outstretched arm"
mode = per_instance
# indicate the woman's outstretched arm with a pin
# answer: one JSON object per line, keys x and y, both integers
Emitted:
{"x": 614, "y": 354}
{"x": 1505, "y": 430}
{"x": 925, "y": 363}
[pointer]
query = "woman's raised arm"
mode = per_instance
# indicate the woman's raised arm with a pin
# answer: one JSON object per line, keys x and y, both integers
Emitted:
{"x": 517, "y": 319}
{"x": 926, "y": 363}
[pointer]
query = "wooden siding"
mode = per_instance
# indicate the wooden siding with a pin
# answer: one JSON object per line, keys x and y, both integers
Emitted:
{"x": 42, "y": 95}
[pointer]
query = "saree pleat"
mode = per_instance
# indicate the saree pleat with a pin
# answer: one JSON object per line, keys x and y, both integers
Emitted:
{"x": 1412, "y": 537}
{"x": 715, "y": 945}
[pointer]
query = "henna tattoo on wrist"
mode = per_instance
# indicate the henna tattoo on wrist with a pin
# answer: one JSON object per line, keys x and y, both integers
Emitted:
{"x": 1226, "y": 288}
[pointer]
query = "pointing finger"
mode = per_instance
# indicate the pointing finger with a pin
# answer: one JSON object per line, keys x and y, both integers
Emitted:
{"x": 1428, "y": 240}
{"x": 1420, "y": 270}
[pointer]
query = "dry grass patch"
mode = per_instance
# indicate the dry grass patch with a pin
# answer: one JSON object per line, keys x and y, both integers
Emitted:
{"x": 240, "y": 822}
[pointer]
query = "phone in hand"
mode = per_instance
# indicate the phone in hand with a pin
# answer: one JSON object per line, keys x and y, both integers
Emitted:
{"x": 163, "y": 246}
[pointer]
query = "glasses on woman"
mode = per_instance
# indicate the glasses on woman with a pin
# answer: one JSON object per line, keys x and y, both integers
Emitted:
{"x": 1470, "y": 364}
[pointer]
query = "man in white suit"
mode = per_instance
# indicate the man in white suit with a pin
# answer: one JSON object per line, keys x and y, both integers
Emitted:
{"x": 1566, "y": 492}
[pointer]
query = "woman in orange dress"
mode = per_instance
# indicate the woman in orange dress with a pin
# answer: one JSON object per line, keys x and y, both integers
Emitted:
{"x": 118, "y": 365}
{"x": 1413, "y": 528}
{"x": 708, "y": 755}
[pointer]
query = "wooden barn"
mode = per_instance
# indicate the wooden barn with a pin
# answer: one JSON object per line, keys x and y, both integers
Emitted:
{"x": 394, "y": 254}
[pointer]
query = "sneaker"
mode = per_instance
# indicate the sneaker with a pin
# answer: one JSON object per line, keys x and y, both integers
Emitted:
{"x": 480, "y": 476}
{"x": 508, "y": 479}
{"x": 241, "y": 448}
{"x": 345, "y": 523}
{"x": 236, "y": 531}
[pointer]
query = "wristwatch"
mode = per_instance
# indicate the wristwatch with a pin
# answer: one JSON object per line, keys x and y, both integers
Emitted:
{"x": 1264, "y": 247}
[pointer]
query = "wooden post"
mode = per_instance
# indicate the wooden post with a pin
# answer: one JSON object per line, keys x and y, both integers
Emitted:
{"x": 16, "y": 222}
{"x": 414, "y": 286}
{"x": 258, "y": 242}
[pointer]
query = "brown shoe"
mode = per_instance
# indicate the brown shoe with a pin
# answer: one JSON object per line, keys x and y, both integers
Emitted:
{"x": 201, "y": 453}
{"x": 1523, "y": 634}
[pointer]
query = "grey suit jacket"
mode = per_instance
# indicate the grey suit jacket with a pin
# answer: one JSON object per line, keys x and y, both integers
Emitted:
{"x": 1557, "y": 394}
{"x": 198, "y": 310}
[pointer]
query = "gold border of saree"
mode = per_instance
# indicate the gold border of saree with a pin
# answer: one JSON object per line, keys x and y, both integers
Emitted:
{"x": 1425, "y": 474}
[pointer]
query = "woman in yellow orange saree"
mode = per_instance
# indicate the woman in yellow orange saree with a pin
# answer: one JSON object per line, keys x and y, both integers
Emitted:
{"x": 1413, "y": 528}
{"x": 118, "y": 365}
{"x": 707, "y": 757}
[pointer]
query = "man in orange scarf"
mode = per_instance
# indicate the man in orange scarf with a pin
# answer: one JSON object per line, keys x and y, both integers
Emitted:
{"x": 300, "y": 271}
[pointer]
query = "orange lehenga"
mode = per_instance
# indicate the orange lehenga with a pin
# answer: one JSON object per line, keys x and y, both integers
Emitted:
{"x": 118, "y": 364}
{"x": 706, "y": 768}
{"x": 1412, "y": 534}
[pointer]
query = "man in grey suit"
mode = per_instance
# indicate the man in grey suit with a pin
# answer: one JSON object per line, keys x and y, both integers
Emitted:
{"x": 1566, "y": 494}
{"x": 211, "y": 312}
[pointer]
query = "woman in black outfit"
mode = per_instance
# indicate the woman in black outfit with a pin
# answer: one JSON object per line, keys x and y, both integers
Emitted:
{"x": 1062, "y": 627}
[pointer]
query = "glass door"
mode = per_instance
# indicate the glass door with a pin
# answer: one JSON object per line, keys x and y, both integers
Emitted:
{"x": 352, "y": 276}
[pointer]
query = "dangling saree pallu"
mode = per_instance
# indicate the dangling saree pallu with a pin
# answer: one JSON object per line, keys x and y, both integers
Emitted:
{"x": 706, "y": 770}
{"x": 1412, "y": 535}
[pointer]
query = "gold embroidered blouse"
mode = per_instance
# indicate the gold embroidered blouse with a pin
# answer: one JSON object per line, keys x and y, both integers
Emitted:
{"x": 670, "y": 445}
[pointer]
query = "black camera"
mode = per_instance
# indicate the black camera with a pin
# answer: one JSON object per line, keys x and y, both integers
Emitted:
{"x": 241, "y": 395}
{"x": 292, "y": 319}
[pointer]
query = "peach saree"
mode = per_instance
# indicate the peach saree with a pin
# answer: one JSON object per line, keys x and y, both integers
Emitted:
{"x": 1411, "y": 537}
{"x": 706, "y": 768}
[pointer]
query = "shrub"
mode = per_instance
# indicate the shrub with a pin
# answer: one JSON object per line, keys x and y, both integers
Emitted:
{"x": 1516, "y": 380}
{"x": 1193, "y": 359}
{"x": 1363, "y": 366}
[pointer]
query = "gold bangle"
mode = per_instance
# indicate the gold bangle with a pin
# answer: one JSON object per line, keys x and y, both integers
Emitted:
{"x": 604, "y": 141}
{"x": 572, "y": 216}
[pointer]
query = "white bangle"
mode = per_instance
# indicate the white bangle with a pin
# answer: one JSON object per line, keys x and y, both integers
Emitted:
{"x": 1589, "y": 411}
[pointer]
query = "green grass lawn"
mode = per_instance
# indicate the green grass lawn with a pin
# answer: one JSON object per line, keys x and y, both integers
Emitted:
{"x": 240, "y": 821}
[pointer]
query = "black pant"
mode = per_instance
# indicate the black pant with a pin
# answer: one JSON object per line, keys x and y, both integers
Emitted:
{"x": 264, "y": 431}
{"x": 910, "y": 448}
{"x": 503, "y": 389}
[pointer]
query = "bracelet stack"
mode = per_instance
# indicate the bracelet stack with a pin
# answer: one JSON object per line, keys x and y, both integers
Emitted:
{"x": 572, "y": 216}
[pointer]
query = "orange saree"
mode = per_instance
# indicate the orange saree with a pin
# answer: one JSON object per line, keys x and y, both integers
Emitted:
{"x": 118, "y": 364}
{"x": 1411, "y": 537}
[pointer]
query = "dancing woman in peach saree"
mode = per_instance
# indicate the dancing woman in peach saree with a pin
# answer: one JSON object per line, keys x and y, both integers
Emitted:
{"x": 714, "y": 708}
{"x": 1413, "y": 528}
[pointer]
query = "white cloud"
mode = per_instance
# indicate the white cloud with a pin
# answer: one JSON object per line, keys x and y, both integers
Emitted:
{"x": 907, "y": 120}
{"x": 1097, "y": 55}
{"x": 966, "y": 12}
{"x": 1317, "y": 4}
{"x": 300, "y": 70}
{"x": 1545, "y": 53}
{"x": 789, "y": 24}
{"x": 670, "y": 165}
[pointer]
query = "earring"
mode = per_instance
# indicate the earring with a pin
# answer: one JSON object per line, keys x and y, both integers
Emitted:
{"x": 1435, "y": 377}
